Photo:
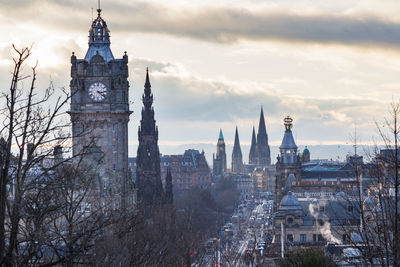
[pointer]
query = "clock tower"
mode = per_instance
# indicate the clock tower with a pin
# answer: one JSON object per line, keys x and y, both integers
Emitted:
{"x": 100, "y": 108}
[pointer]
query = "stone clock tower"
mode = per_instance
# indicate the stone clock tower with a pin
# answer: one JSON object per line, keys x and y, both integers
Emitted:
{"x": 100, "y": 107}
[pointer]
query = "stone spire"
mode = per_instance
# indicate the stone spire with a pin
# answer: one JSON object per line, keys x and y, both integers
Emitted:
{"x": 148, "y": 173}
{"x": 99, "y": 39}
{"x": 252, "y": 154}
{"x": 237, "y": 159}
{"x": 262, "y": 148}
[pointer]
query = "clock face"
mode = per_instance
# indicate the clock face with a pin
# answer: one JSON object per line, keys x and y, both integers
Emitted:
{"x": 97, "y": 91}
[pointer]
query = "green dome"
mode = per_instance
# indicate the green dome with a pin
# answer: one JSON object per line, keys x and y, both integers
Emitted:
{"x": 306, "y": 151}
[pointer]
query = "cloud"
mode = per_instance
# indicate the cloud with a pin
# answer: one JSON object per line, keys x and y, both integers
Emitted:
{"x": 221, "y": 24}
{"x": 232, "y": 25}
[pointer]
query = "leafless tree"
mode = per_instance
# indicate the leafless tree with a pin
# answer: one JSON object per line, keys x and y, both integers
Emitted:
{"x": 376, "y": 205}
{"x": 31, "y": 127}
{"x": 52, "y": 208}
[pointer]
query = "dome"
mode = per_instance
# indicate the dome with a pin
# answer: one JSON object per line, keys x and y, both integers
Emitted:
{"x": 290, "y": 203}
{"x": 288, "y": 141}
{"x": 306, "y": 151}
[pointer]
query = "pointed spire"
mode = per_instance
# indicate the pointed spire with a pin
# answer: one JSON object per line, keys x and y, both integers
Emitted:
{"x": 261, "y": 126}
{"x": 237, "y": 160}
{"x": 147, "y": 84}
{"x": 253, "y": 137}
{"x": 263, "y": 150}
{"x": 236, "y": 146}
{"x": 221, "y": 136}
{"x": 237, "y": 136}
{"x": 252, "y": 154}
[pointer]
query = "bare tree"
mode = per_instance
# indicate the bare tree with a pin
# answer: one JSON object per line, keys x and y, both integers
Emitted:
{"x": 376, "y": 206}
{"x": 26, "y": 123}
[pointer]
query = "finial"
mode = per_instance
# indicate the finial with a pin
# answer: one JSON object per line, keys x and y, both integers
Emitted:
{"x": 125, "y": 53}
{"x": 147, "y": 84}
{"x": 221, "y": 136}
{"x": 73, "y": 53}
{"x": 288, "y": 122}
{"x": 98, "y": 8}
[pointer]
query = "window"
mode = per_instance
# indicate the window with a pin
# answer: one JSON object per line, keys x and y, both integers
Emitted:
{"x": 290, "y": 237}
{"x": 321, "y": 222}
{"x": 322, "y": 208}
{"x": 314, "y": 237}
{"x": 290, "y": 220}
{"x": 303, "y": 238}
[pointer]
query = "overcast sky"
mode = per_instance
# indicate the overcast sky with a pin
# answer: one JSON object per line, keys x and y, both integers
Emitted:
{"x": 329, "y": 64}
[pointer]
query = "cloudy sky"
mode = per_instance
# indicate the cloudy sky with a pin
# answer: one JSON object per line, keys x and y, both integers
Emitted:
{"x": 329, "y": 64}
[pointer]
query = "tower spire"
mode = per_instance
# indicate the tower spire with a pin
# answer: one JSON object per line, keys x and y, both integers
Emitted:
{"x": 147, "y": 84}
{"x": 252, "y": 154}
{"x": 221, "y": 136}
{"x": 263, "y": 150}
{"x": 237, "y": 160}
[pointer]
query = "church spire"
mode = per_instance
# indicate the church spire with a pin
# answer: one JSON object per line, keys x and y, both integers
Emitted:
{"x": 221, "y": 136}
{"x": 147, "y": 84}
{"x": 237, "y": 159}
{"x": 263, "y": 150}
{"x": 252, "y": 154}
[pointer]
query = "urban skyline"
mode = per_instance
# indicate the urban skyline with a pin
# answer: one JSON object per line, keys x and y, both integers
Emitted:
{"x": 210, "y": 78}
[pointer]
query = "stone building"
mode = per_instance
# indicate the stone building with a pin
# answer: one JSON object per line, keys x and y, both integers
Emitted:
{"x": 314, "y": 221}
{"x": 187, "y": 170}
{"x": 288, "y": 162}
{"x": 219, "y": 159}
{"x": 148, "y": 172}
{"x": 99, "y": 108}
{"x": 237, "y": 159}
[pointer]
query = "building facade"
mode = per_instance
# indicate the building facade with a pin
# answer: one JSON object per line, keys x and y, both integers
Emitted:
{"x": 99, "y": 108}
{"x": 187, "y": 170}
